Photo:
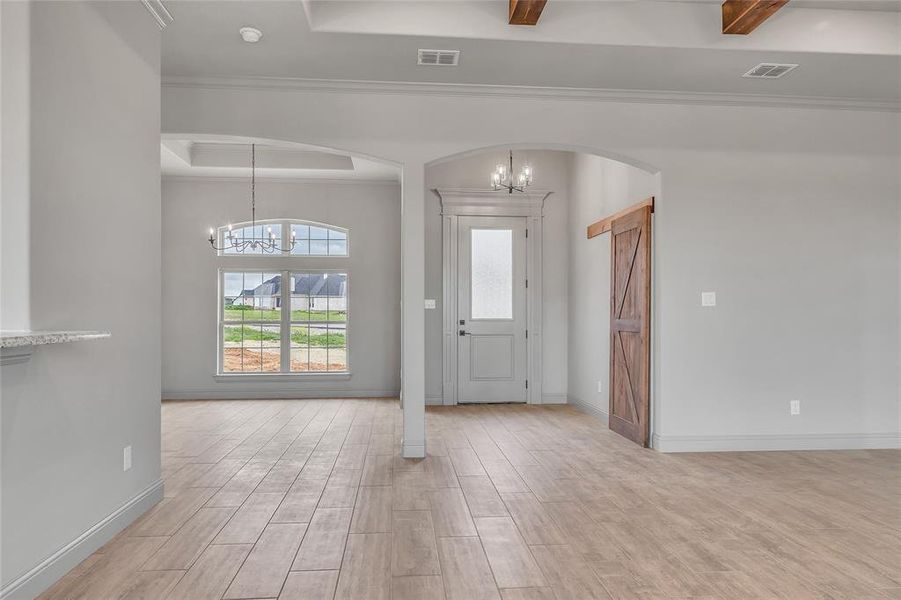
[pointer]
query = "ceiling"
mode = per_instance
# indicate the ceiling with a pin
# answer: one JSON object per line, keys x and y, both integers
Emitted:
{"x": 846, "y": 49}
{"x": 231, "y": 159}
{"x": 879, "y": 5}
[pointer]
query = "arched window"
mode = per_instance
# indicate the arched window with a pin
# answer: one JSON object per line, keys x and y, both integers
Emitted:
{"x": 310, "y": 238}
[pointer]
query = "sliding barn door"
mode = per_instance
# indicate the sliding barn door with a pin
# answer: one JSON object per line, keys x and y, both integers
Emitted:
{"x": 630, "y": 325}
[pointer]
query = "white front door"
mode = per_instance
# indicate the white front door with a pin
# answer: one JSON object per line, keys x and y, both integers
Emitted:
{"x": 491, "y": 309}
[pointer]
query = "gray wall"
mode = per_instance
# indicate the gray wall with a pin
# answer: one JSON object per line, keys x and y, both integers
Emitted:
{"x": 805, "y": 308}
{"x": 599, "y": 187}
{"x": 15, "y": 141}
{"x": 802, "y": 251}
{"x": 94, "y": 208}
{"x": 371, "y": 213}
{"x": 551, "y": 173}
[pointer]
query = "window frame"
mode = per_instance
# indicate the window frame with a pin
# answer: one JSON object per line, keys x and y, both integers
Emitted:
{"x": 222, "y": 323}
{"x": 327, "y": 323}
{"x": 285, "y": 238}
{"x": 285, "y": 322}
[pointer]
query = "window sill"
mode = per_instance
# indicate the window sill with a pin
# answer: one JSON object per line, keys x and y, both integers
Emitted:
{"x": 296, "y": 377}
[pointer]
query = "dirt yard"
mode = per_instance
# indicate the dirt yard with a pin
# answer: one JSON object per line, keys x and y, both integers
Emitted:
{"x": 270, "y": 361}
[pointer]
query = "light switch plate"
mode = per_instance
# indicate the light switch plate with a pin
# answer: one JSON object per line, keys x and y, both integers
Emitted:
{"x": 795, "y": 407}
{"x": 430, "y": 303}
{"x": 126, "y": 458}
{"x": 708, "y": 298}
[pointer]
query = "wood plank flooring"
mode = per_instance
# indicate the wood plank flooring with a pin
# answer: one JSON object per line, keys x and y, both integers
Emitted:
{"x": 309, "y": 499}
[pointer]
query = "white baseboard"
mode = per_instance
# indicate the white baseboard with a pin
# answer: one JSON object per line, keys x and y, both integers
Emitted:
{"x": 231, "y": 393}
{"x": 751, "y": 443}
{"x": 553, "y": 398}
{"x": 434, "y": 400}
{"x": 51, "y": 569}
{"x": 413, "y": 450}
{"x": 591, "y": 409}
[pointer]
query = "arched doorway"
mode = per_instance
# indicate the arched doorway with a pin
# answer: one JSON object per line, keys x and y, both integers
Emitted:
{"x": 569, "y": 346}
{"x": 297, "y": 321}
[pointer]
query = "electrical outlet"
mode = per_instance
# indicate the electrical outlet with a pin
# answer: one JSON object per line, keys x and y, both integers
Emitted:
{"x": 795, "y": 407}
{"x": 600, "y": 387}
{"x": 126, "y": 458}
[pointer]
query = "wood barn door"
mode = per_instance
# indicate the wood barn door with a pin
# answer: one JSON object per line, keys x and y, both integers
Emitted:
{"x": 630, "y": 325}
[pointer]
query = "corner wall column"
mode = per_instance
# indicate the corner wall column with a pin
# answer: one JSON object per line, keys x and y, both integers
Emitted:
{"x": 15, "y": 156}
{"x": 412, "y": 311}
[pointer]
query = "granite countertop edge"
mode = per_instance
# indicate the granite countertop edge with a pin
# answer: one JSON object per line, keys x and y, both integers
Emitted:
{"x": 15, "y": 339}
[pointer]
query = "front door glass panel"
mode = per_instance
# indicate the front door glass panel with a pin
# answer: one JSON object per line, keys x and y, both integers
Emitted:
{"x": 492, "y": 274}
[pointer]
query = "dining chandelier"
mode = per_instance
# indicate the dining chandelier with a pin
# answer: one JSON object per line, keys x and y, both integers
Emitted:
{"x": 268, "y": 243}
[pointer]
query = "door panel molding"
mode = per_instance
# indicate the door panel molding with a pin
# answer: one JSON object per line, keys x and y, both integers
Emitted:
{"x": 474, "y": 364}
{"x": 457, "y": 202}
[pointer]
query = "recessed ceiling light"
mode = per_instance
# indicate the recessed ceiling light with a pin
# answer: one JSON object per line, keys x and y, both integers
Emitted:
{"x": 251, "y": 35}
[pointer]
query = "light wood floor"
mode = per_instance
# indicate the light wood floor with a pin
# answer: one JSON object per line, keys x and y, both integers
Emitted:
{"x": 309, "y": 499}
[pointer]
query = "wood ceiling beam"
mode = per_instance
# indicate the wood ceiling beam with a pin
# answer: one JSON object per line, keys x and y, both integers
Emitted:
{"x": 741, "y": 17}
{"x": 526, "y": 12}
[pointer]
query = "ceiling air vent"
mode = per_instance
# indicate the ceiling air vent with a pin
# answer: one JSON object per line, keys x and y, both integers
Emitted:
{"x": 440, "y": 58}
{"x": 769, "y": 71}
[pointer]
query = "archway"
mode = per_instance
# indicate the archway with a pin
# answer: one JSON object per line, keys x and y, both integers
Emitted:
{"x": 301, "y": 187}
{"x": 575, "y": 365}
{"x": 562, "y": 147}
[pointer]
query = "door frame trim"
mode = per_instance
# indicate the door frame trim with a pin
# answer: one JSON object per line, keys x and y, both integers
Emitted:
{"x": 463, "y": 202}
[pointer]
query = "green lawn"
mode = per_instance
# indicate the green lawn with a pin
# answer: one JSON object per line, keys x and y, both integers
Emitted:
{"x": 242, "y": 313}
{"x": 333, "y": 339}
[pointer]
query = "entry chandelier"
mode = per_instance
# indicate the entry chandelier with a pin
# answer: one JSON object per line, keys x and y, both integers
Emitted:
{"x": 502, "y": 178}
{"x": 267, "y": 243}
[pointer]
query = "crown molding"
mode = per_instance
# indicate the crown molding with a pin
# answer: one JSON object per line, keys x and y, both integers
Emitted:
{"x": 289, "y": 180}
{"x": 338, "y": 86}
{"x": 159, "y": 12}
{"x": 485, "y": 194}
{"x": 471, "y": 201}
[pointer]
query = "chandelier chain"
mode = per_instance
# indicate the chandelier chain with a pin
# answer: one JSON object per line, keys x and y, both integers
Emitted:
{"x": 239, "y": 245}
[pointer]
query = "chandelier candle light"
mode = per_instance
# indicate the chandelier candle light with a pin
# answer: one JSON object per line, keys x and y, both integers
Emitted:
{"x": 502, "y": 178}
{"x": 237, "y": 244}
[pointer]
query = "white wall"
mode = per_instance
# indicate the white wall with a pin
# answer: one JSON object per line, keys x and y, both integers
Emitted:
{"x": 598, "y": 188}
{"x": 70, "y": 410}
{"x": 371, "y": 213}
{"x": 552, "y": 173}
{"x": 801, "y": 250}
{"x": 15, "y": 110}
{"x": 789, "y": 213}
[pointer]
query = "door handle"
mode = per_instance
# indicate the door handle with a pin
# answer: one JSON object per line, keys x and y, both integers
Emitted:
{"x": 462, "y": 332}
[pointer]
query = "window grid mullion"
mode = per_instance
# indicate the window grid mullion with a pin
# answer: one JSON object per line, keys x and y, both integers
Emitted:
{"x": 285, "y": 322}
{"x": 221, "y": 352}
{"x": 285, "y": 292}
